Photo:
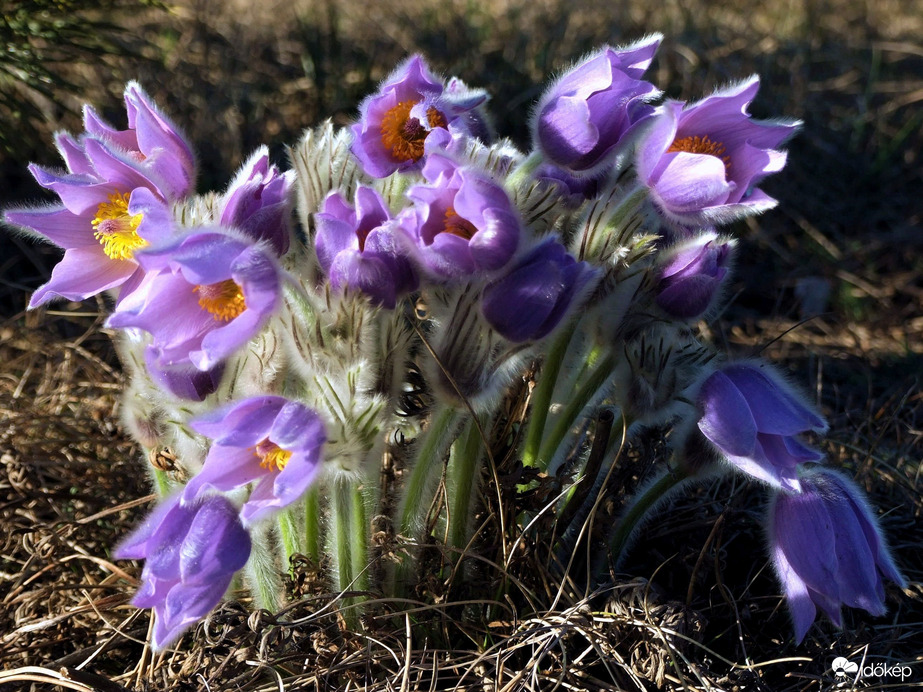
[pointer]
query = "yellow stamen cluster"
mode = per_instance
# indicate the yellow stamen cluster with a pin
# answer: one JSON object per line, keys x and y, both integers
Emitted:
{"x": 224, "y": 300}
{"x": 272, "y": 456}
{"x": 403, "y": 135}
{"x": 704, "y": 144}
{"x": 456, "y": 225}
{"x": 116, "y": 229}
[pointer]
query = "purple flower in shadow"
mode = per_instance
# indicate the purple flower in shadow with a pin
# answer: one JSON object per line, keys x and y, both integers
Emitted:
{"x": 702, "y": 162}
{"x": 268, "y": 440}
{"x": 191, "y": 554}
{"x": 259, "y": 202}
{"x": 828, "y": 550}
{"x": 356, "y": 247}
{"x": 539, "y": 289}
{"x": 692, "y": 274}
{"x": 462, "y": 223}
{"x": 584, "y": 119}
{"x": 752, "y": 416}
{"x": 201, "y": 298}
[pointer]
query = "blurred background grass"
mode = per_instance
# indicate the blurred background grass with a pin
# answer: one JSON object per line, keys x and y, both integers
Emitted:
{"x": 830, "y": 284}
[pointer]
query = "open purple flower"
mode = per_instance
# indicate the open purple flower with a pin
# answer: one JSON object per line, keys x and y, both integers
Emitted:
{"x": 395, "y": 121}
{"x": 356, "y": 247}
{"x": 259, "y": 202}
{"x": 692, "y": 275}
{"x": 828, "y": 550}
{"x": 269, "y": 440}
{"x": 109, "y": 210}
{"x": 201, "y": 298}
{"x": 191, "y": 554}
{"x": 702, "y": 162}
{"x": 151, "y": 140}
{"x": 462, "y": 222}
{"x": 539, "y": 289}
{"x": 584, "y": 117}
{"x": 752, "y": 417}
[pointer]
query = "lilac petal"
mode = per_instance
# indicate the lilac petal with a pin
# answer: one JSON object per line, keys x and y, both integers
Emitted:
{"x": 298, "y": 427}
{"x": 95, "y": 125}
{"x": 134, "y": 547}
{"x": 800, "y": 605}
{"x": 688, "y": 182}
{"x": 152, "y": 591}
{"x": 226, "y": 468}
{"x": 83, "y": 272}
{"x": 240, "y": 424}
{"x": 163, "y": 558}
{"x": 182, "y": 379}
{"x": 58, "y": 224}
{"x": 803, "y": 529}
{"x": 262, "y": 501}
{"x": 689, "y": 297}
{"x": 860, "y": 585}
{"x": 727, "y": 420}
{"x": 75, "y": 158}
{"x": 566, "y": 129}
{"x": 184, "y": 606}
{"x": 82, "y": 195}
{"x": 216, "y": 543}
{"x": 659, "y": 135}
{"x": 118, "y": 171}
{"x": 778, "y": 410}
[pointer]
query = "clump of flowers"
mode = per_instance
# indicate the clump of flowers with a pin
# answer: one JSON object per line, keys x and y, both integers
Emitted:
{"x": 431, "y": 275}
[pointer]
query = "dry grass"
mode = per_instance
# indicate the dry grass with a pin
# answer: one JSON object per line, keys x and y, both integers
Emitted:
{"x": 830, "y": 285}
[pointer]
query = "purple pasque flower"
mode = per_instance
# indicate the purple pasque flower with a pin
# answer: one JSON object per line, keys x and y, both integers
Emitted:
{"x": 201, "y": 298}
{"x": 395, "y": 121}
{"x": 828, "y": 550}
{"x": 585, "y": 116}
{"x": 537, "y": 291}
{"x": 752, "y": 416}
{"x": 356, "y": 247}
{"x": 269, "y": 440}
{"x": 462, "y": 222}
{"x": 152, "y": 141}
{"x": 109, "y": 210}
{"x": 191, "y": 553}
{"x": 259, "y": 202}
{"x": 691, "y": 276}
{"x": 702, "y": 162}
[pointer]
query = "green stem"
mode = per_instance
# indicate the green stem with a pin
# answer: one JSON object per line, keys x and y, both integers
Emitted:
{"x": 288, "y": 537}
{"x": 544, "y": 391}
{"x": 639, "y": 508}
{"x": 262, "y": 572}
{"x": 341, "y": 513}
{"x": 418, "y": 490}
{"x": 575, "y": 405}
{"x": 312, "y": 523}
{"x": 360, "y": 542}
{"x": 523, "y": 171}
{"x": 161, "y": 482}
{"x": 461, "y": 475}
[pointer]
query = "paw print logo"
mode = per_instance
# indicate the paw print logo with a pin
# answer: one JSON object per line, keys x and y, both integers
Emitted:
{"x": 843, "y": 667}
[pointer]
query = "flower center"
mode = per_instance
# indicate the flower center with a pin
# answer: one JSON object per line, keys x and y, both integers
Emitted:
{"x": 695, "y": 144}
{"x": 456, "y": 225}
{"x": 116, "y": 229}
{"x": 272, "y": 456}
{"x": 224, "y": 300}
{"x": 404, "y": 135}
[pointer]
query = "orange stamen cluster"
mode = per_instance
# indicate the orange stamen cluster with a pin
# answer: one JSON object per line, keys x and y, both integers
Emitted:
{"x": 224, "y": 299}
{"x": 116, "y": 229}
{"x": 403, "y": 135}
{"x": 456, "y": 225}
{"x": 704, "y": 144}
{"x": 272, "y": 456}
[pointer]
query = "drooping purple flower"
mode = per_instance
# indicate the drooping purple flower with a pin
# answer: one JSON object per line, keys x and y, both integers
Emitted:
{"x": 191, "y": 554}
{"x": 702, "y": 162}
{"x": 574, "y": 190}
{"x": 356, "y": 247}
{"x": 202, "y": 297}
{"x": 259, "y": 202}
{"x": 584, "y": 117}
{"x": 462, "y": 222}
{"x": 151, "y": 140}
{"x": 692, "y": 274}
{"x": 828, "y": 550}
{"x": 395, "y": 121}
{"x": 752, "y": 417}
{"x": 539, "y": 289}
{"x": 268, "y": 440}
{"x": 183, "y": 379}
{"x": 110, "y": 210}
